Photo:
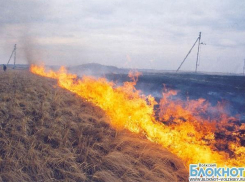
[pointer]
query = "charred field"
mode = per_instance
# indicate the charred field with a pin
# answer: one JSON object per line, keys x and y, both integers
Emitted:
{"x": 214, "y": 88}
{"x": 50, "y": 134}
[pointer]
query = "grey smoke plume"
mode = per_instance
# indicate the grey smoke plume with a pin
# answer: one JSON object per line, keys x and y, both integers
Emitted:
{"x": 18, "y": 20}
{"x": 30, "y": 50}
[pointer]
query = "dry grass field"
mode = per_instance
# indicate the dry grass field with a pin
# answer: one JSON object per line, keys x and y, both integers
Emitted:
{"x": 50, "y": 134}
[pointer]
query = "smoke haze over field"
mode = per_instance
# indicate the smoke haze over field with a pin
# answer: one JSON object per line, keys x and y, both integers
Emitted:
{"x": 135, "y": 34}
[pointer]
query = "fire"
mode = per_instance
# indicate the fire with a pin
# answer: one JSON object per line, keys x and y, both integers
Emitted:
{"x": 181, "y": 128}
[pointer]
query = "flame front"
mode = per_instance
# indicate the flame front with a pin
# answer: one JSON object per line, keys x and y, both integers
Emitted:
{"x": 190, "y": 136}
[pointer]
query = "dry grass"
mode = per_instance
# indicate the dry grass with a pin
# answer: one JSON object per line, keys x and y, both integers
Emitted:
{"x": 49, "y": 134}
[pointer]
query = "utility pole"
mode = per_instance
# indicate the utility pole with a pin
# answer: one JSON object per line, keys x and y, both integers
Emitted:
{"x": 15, "y": 47}
{"x": 199, "y": 39}
{"x": 197, "y": 61}
{"x": 244, "y": 67}
{"x": 13, "y": 52}
{"x": 187, "y": 55}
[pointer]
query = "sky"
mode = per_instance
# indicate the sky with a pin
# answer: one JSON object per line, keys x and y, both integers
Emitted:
{"x": 153, "y": 34}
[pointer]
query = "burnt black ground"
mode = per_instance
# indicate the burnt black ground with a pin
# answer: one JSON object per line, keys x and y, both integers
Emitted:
{"x": 213, "y": 88}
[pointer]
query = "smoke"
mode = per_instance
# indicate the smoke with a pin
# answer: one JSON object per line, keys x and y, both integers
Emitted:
{"x": 22, "y": 25}
{"x": 30, "y": 50}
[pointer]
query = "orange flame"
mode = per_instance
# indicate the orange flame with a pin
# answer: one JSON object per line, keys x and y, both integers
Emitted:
{"x": 178, "y": 128}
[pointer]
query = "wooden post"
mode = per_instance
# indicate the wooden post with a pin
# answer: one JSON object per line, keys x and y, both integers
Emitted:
{"x": 244, "y": 67}
{"x": 199, "y": 39}
{"x": 15, "y": 48}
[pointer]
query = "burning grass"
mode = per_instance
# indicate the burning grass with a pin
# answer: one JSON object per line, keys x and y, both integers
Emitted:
{"x": 181, "y": 128}
{"x": 49, "y": 134}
